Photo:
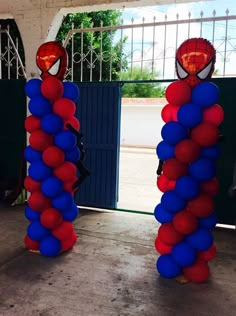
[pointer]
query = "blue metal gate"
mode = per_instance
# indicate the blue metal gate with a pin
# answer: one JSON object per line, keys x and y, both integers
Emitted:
{"x": 98, "y": 110}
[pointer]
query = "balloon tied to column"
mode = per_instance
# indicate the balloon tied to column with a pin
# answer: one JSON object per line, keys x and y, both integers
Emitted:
{"x": 55, "y": 154}
{"x": 187, "y": 166}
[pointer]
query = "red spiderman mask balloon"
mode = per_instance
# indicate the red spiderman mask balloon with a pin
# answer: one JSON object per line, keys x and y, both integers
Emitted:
{"x": 195, "y": 61}
{"x": 51, "y": 59}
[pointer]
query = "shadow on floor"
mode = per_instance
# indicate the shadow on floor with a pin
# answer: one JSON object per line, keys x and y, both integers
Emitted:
{"x": 110, "y": 271}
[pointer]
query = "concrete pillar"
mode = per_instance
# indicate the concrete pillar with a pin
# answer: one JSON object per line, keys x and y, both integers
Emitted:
{"x": 33, "y": 26}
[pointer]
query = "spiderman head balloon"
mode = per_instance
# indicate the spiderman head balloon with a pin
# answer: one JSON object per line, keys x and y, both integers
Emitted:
{"x": 51, "y": 59}
{"x": 195, "y": 61}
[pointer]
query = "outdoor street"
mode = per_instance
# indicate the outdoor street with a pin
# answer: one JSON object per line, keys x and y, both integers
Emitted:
{"x": 137, "y": 183}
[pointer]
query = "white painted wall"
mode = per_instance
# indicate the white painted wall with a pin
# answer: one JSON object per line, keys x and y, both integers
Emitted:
{"x": 141, "y": 123}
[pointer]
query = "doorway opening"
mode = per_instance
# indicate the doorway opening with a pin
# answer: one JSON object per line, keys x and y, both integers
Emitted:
{"x": 140, "y": 133}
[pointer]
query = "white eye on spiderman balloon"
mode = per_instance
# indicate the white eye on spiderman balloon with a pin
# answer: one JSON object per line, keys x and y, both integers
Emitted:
{"x": 182, "y": 73}
{"x": 55, "y": 68}
{"x": 204, "y": 73}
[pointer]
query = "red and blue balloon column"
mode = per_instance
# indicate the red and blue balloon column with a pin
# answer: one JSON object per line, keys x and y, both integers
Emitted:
{"x": 187, "y": 167}
{"x": 52, "y": 154}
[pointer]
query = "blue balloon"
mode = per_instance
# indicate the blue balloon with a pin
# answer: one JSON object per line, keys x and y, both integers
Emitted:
{"x": 70, "y": 214}
{"x": 39, "y": 171}
{"x": 31, "y": 215}
{"x": 31, "y": 154}
{"x": 165, "y": 151}
{"x": 200, "y": 240}
{"x": 205, "y": 94}
{"x": 202, "y": 169}
{"x": 51, "y": 123}
{"x": 50, "y": 246}
{"x": 33, "y": 87}
{"x": 183, "y": 254}
{"x": 71, "y": 91}
{"x": 162, "y": 215}
{"x": 187, "y": 187}
{"x": 167, "y": 267}
{"x": 189, "y": 115}
{"x": 173, "y": 132}
{"x": 63, "y": 201}
{"x": 36, "y": 231}
{"x": 211, "y": 152}
{"x": 52, "y": 187}
{"x": 172, "y": 202}
{"x": 65, "y": 140}
{"x": 40, "y": 106}
{"x": 208, "y": 222}
{"x": 73, "y": 155}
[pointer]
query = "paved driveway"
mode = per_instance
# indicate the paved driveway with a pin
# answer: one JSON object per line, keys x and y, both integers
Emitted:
{"x": 137, "y": 185}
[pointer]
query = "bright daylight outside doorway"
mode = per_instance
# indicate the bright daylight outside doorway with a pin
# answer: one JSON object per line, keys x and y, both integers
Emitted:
{"x": 137, "y": 186}
{"x": 141, "y": 125}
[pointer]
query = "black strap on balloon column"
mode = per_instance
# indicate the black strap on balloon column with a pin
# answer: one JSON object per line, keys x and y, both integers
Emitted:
{"x": 159, "y": 168}
{"x": 84, "y": 172}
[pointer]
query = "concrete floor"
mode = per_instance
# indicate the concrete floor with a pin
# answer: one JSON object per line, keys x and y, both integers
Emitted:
{"x": 110, "y": 272}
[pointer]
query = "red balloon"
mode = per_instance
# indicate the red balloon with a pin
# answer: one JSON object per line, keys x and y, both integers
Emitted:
{"x": 168, "y": 235}
{"x": 38, "y": 202}
{"x": 53, "y": 156}
{"x": 208, "y": 254}
{"x": 214, "y": 114}
{"x": 31, "y": 185}
{"x": 52, "y": 88}
{"x": 185, "y": 223}
{"x": 63, "y": 231}
{"x": 210, "y": 187}
{"x": 198, "y": 272}
{"x": 169, "y": 113}
{"x": 66, "y": 171}
{"x": 164, "y": 184}
{"x": 173, "y": 169}
{"x": 74, "y": 122}
{"x": 187, "y": 151}
{"x": 31, "y": 244}
{"x": 32, "y": 123}
{"x": 68, "y": 243}
{"x": 201, "y": 206}
{"x": 68, "y": 185}
{"x": 39, "y": 140}
{"x": 51, "y": 218}
{"x": 65, "y": 108}
{"x": 161, "y": 247}
{"x": 178, "y": 93}
{"x": 205, "y": 134}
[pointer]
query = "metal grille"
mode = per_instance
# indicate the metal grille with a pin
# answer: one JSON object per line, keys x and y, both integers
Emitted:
{"x": 149, "y": 46}
{"x": 11, "y": 65}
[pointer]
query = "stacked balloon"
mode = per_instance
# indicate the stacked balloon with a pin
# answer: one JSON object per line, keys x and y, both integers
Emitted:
{"x": 189, "y": 151}
{"x": 52, "y": 154}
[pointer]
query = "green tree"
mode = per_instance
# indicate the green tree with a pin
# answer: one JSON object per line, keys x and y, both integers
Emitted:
{"x": 216, "y": 72}
{"x": 113, "y": 58}
{"x": 141, "y": 90}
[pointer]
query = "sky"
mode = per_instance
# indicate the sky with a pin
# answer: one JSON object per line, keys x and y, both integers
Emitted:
{"x": 195, "y": 8}
{"x": 159, "y": 12}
